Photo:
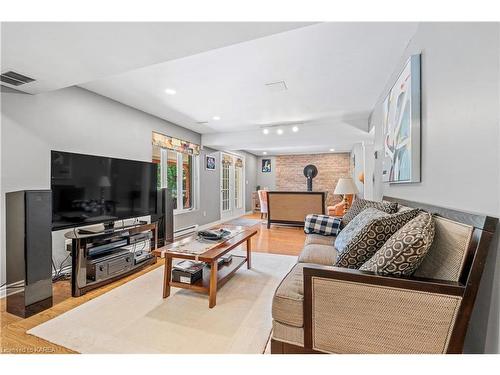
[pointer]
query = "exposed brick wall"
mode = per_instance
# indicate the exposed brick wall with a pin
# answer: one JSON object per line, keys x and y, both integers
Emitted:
{"x": 331, "y": 167}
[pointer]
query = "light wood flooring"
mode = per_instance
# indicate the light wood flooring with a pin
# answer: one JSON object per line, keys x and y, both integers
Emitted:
{"x": 13, "y": 337}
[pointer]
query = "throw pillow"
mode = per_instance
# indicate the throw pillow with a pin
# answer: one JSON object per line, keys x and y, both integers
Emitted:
{"x": 322, "y": 224}
{"x": 372, "y": 237}
{"x": 360, "y": 204}
{"x": 355, "y": 226}
{"x": 403, "y": 253}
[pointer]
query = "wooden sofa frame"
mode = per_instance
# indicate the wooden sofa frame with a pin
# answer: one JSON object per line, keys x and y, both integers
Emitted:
{"x": 467, "y": 286}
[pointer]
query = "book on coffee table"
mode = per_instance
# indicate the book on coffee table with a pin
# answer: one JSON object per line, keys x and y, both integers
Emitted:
{"x": 190, "y": 266}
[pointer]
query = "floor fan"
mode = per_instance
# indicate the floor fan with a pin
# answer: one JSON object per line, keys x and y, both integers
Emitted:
{"x": 310, "y": 171}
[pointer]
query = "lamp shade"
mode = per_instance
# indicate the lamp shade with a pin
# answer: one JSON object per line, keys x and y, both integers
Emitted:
{"x": 345, "y": 186}
{"x": 104, "y": 182}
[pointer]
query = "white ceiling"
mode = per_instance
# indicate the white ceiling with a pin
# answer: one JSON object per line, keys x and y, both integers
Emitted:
{"x": 61, "y": 54}
{"x": 334, "y": 73}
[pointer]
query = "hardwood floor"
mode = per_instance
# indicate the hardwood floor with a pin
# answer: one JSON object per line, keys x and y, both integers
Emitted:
{"x": 13, "y": 337}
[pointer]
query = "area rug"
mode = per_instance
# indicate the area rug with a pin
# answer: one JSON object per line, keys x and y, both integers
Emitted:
{"x": 134, "y": 318}
{"x": 244, "y": 222}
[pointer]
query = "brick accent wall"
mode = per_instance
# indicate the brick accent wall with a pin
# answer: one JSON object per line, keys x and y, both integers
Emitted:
{"x": 331, "y": 167}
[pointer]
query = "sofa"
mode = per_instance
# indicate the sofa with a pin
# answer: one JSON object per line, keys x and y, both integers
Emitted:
{"x": 320, "y": 308}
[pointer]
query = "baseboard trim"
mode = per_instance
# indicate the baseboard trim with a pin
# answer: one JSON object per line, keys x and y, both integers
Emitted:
{"x": 220, "y": 221}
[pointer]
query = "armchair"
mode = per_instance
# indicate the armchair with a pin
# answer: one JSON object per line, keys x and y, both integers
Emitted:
{"x": 338, "y": 209}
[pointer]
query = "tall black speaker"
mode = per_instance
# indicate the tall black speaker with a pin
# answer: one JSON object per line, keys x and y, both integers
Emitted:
{"x": 164, "y": 217}
{"x": 29, "y": 251}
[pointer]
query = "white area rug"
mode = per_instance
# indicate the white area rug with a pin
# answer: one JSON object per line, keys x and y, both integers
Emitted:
{"x": 134, "y": 318}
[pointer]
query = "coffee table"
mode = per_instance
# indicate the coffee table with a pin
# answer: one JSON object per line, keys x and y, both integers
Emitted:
{"x": 217, "y": 276}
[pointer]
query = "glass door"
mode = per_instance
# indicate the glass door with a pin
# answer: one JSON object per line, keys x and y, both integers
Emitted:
{"x": 232, "y": 186}
{"x": 225, "y": 189}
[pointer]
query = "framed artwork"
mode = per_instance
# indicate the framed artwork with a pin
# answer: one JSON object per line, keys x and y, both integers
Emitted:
{"x": 210, "y": 163}
{"x": 266, "y": 165}
{"x": 401, "y": 124}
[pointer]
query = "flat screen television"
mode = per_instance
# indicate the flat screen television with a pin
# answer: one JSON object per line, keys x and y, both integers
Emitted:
{"x": 89, "y": 189}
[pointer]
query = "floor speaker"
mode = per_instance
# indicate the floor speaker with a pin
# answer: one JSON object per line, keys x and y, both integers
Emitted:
{"x": 29, "y": 251}
{"x": 165, "y": 217}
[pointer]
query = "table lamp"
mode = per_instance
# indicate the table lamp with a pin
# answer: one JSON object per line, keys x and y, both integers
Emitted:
{"x": 344, "y": 187}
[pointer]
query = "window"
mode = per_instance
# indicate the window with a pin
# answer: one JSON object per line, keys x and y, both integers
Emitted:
{"x": 178, "y": 174}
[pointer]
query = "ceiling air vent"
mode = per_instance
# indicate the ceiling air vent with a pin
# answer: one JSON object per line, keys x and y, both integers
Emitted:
{"x": 276, "y": 86}
{"x": 15, "y": 79}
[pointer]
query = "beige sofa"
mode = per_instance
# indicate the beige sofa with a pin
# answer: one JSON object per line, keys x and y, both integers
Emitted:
{"x": 319, "y": 308}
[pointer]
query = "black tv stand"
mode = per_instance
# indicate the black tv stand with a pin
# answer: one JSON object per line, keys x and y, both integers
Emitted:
{"x": 101, "y": 257}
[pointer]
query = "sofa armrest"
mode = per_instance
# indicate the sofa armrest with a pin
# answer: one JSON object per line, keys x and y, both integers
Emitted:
{"x": 352, "y": 311}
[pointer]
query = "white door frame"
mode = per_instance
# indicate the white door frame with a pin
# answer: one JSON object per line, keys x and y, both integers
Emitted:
{"x": 232, "y": 211}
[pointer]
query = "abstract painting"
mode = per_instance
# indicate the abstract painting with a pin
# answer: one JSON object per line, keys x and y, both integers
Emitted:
{"x": 401, "y": 124}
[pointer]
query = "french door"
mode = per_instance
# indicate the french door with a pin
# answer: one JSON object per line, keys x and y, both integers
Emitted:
{"x": 232, "y": 185}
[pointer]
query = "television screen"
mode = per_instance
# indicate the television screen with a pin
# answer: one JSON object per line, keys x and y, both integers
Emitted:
{"x": 90, "y": 189}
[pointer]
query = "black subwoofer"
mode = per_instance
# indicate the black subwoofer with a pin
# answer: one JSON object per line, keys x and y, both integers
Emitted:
{"x": 29, "y": 251}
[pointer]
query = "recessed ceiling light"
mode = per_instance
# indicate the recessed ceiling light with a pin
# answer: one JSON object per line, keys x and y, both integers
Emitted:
{"x": 279, "y": 131}
{"x": 264, "y": 153}
{"x": 216, "y": 118}
{"x": 170, "y": 91}
{"x": 332, "y": 149}
{"x": 265, "y": 131}
{"x": 295, "y": 129}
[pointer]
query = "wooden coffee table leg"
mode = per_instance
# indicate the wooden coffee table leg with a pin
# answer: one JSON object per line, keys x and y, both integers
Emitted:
{"x": 167, "y": 275}
{"x": 212, "y": 292}
{"x": 249, "y": 253}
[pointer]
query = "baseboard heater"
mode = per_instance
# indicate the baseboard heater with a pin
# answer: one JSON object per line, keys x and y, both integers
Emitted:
{"x": 186, "y": 231}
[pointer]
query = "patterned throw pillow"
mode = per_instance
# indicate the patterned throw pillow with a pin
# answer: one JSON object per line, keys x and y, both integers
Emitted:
{"x": 360, "y": 204}
{"x": 355, "y": 226}
{"x": 403, "y": 253}
{"x": 322, "y": 224}
{"x": 372, "y": 237}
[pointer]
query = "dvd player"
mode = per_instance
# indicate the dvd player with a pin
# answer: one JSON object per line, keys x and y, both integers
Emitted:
{"x": 141, "y": 256}
{"x": 99, "y": 249}
{"x": 139, "y": 237}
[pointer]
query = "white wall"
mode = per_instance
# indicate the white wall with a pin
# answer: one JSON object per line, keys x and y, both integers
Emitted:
{"x": 368, "y": 186}
{"x": 250, "y": 177}
{"x": 460, "y": 139}
{"x": 358, "y": 158}
{"x": 77, "y": 120}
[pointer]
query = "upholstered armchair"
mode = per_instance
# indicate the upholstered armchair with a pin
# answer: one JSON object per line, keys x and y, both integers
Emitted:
{"x": 338, "y": 209}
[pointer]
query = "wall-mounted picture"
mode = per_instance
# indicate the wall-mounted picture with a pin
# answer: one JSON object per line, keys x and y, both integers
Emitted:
{"x": 401, "y": 124}
{"x": 210, "y": 163}
{"x": 266, "y": 165}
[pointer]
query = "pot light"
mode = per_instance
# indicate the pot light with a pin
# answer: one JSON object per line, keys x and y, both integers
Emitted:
{"x": 170, "y": 91}
{"x": 332, "y": 149}
{"x": 265, "y": 131}
{"x": 279, "y": 131}
{"x": 295, "y": 129}
{"x": 216, "y": 118}
{"x": 264, "y": 153}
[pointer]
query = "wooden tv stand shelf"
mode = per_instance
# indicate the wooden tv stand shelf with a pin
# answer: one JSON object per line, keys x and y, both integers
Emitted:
{"x": 102, "y": 257}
